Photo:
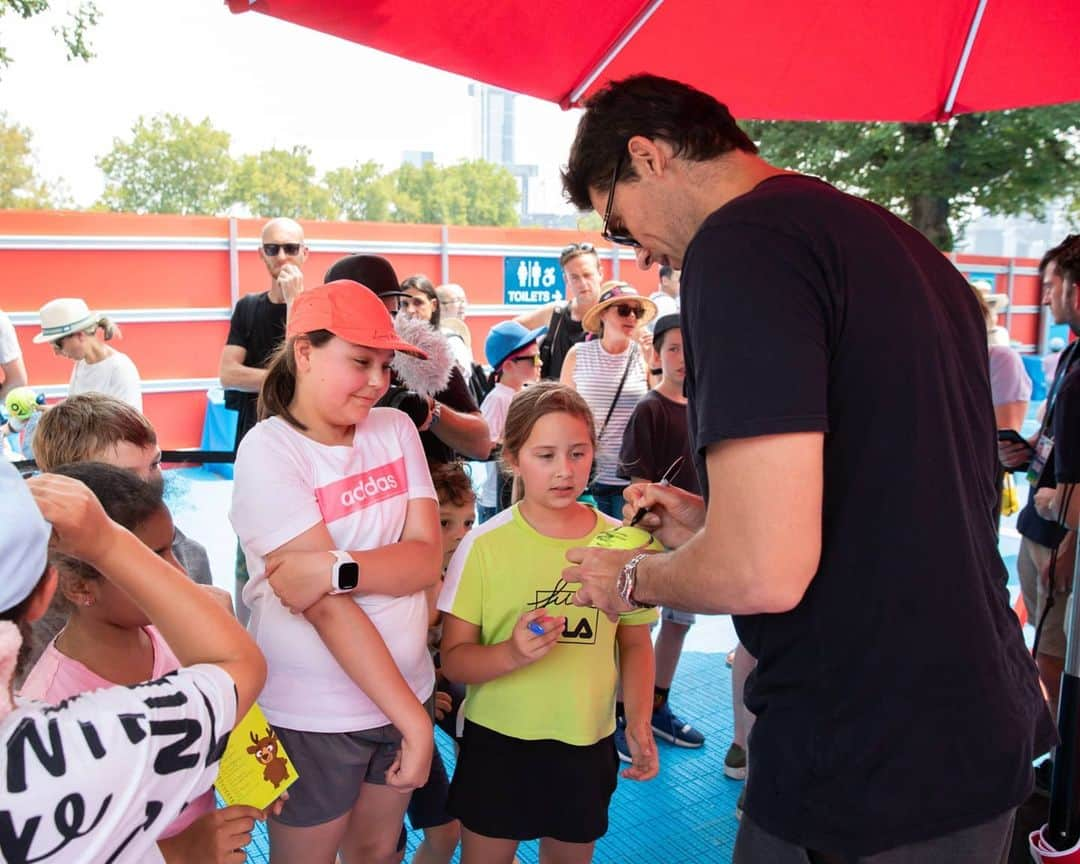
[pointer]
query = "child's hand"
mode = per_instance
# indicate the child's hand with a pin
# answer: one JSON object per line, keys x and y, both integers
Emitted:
{"x": 219, "y": 837}
{"x": 443, "y": 704}
{"x": 527, "y": 646}
{"x": 80, "y": 526}
{"x": 412, "y": 764}
{"x": 642, "y": 745}
{"x": 299, "y": 579}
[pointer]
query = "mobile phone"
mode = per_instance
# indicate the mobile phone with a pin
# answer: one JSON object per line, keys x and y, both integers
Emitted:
{"x": 1011, "y": 436}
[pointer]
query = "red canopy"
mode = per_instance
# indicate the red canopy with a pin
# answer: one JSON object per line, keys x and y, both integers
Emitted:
{"x": 916, "y": 60}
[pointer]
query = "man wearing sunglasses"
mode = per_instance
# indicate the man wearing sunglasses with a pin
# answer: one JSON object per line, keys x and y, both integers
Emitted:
{"x": 581, "y": 274}
{"x": 256, "y": 328}
{"x": 848, "y": 479}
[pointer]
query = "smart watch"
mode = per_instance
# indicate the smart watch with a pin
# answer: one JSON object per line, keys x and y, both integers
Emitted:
{"x": 345, "y": 574}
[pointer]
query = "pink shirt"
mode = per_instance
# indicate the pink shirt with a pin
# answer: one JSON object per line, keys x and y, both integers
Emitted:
{"x": 56, "y": 677}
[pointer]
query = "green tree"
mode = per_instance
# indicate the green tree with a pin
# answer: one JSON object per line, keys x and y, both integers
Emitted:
{"x": 490, "y": 192}
{"x": 1008, "y": 162}
{"x": 170, "y": 165}
{"x": 360, "y": 193}
{"x": 74, "y": 32}
{"x": 279, "y": 182}
{"x": 20, "y": 185}
{"x": 469, "y": 193}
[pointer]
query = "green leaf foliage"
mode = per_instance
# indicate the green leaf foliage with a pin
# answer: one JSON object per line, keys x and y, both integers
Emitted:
{"x": 169, "y": 165}
{"x": 1008, "y": 162}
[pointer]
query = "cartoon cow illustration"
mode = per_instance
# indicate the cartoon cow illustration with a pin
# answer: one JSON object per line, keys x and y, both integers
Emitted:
{"x": 265, "y": 750}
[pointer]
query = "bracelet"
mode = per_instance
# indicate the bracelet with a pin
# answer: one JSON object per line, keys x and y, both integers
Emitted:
{"x": 624, "y": 585}
{"x": 436, "y": 412}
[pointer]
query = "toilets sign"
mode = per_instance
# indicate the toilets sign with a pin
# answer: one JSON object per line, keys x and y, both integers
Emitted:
{"x": 532, "y": 281}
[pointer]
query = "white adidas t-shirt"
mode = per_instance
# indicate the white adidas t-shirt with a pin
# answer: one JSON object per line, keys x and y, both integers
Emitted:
{"x": 98, "y": 777}
{"x": 285, "y": 483}
{"x": 115, "y": 376}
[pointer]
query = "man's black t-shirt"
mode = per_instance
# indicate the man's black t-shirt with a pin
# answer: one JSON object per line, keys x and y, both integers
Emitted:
{"x": 1029, "y": 523}
{"x": 257, "y": 326}
{"x": 1066, "y": 424}
{"x": 563, "y": 332}
{"x": 896, "y": 702}
{"x": 655, "y": 436}
{"x": 456, "y": 396}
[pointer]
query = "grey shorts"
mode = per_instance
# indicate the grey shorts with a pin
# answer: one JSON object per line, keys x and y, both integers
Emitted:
{"x": 1030, "y": 559}
{"x": 331, "y": 766}
{"x": 987, "y": 843}
{"x": 678, "y": 616}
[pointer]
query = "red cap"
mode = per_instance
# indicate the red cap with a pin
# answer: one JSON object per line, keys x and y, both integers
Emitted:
{"x": 349, "y": 310}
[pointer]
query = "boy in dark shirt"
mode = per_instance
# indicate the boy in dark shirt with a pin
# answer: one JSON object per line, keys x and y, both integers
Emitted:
{"x": 656, "y": 437}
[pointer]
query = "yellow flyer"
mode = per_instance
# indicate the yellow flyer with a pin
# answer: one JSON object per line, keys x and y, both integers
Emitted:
{"x": 255, "y": 769}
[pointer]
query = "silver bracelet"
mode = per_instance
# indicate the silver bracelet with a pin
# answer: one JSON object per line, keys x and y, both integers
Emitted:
{"x": 628, "y": 579}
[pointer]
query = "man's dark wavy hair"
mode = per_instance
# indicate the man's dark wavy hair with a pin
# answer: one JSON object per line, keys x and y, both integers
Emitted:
{"x": 1068, "y": 259}
{"x": 696, "y": 125}
{"x": 1055, "y": 253}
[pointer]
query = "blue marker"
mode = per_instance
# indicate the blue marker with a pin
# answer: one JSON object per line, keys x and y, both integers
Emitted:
{"x": 536, "y": 627}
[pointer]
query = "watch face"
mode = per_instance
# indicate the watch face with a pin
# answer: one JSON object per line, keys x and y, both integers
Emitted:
{"x": 348, "y": 575}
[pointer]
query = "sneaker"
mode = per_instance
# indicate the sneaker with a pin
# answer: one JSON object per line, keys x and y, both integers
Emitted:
{"x": 621, "y": 747}
{"x": 735, "y": 762}
{"x": 675, "y": 730}
{"x": 740, "y": 804}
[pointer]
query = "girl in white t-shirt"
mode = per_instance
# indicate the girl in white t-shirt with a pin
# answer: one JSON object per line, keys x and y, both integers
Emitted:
{"x": 333, "y": 495}
{"x": 99, "y": 368}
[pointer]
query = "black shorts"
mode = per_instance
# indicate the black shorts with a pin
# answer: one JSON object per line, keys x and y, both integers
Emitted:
{"x": 523, "y": 790}
{"x": 427, "y": 807}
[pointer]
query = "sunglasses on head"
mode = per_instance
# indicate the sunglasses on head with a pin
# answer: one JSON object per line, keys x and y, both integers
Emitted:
{"x": 270, "y": 250}
{"x": 625, "y": 310}
{"x": 575, "y": 249}
{"x": 615, "y": 235}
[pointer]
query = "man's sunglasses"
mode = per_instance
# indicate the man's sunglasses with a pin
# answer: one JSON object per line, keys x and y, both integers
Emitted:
{"x": 625, "y": 310}
{"x": 270, "y": 250}
{"x": 623, "y": 238}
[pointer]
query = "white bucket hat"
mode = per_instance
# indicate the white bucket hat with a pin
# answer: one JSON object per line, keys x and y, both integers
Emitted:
{"x": 62, "y": 317}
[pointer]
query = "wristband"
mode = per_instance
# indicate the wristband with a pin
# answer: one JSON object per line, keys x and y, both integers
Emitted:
{"x": 624, "y": 585}
{"x": 436, "y": 412}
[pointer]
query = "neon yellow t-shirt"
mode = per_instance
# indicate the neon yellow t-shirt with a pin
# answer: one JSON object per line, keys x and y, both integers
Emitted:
{"x": 503, "y": 569}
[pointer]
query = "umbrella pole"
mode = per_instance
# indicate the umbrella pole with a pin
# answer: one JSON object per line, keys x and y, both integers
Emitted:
{"x": 1063, "y": 827}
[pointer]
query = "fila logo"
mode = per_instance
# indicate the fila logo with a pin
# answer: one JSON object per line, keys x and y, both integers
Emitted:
{"x": 581, "y": 624}
{"x": 361, "y": 490}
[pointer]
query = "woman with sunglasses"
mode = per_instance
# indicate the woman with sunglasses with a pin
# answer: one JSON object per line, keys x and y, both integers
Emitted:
{"x": 612, "y": 374}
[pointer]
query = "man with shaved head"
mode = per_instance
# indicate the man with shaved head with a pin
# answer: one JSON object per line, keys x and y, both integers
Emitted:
{"x": 258, "y": 321}
{"x": 256, "y": 329}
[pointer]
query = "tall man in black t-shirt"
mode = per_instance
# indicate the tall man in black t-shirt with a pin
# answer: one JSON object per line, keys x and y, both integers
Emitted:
{"x": 848, "y": 472}
{"x": 581, "y": 274}
{"x": 256, "y": 329}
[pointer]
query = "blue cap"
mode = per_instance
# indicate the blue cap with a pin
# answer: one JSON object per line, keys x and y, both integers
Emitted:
{"x": 506, "y": 338}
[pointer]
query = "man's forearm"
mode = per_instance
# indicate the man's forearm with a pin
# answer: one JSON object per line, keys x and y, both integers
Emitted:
{"x": 236, "y": 376}
{"x": 713, "y": 581}
{"x": 468, "y": 434}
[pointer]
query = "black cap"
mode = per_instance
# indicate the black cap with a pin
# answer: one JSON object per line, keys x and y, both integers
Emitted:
{"x": 665, "y": 323}
{"x": 371, "y": 271}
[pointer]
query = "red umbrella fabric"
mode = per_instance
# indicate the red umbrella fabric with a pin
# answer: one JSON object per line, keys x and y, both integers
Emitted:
{"x": 920, "y": 60}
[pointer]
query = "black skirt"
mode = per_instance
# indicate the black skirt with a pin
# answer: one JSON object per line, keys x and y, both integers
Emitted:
{"x": 522, "y": 790}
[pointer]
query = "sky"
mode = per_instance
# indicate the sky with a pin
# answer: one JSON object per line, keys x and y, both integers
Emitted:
{"x": 266, "y": 82}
